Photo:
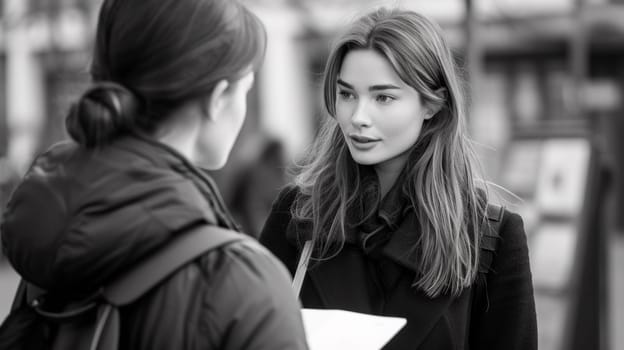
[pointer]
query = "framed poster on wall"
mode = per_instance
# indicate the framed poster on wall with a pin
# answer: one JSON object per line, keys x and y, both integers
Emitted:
{"x": 562, "y": 176}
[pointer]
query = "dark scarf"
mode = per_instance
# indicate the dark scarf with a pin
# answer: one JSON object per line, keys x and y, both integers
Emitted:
{"x": 371, "y": 223}
{"x": 385, "y": 229}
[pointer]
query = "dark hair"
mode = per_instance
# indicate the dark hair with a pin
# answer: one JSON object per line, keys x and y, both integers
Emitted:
{"x": 151, "y": 56}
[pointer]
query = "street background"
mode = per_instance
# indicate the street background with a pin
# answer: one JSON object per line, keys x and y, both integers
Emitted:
{"x": 546, "y": 81}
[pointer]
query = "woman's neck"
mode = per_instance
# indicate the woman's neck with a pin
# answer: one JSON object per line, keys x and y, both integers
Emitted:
{"x": 389, "y": 171}
{"x": 180, "y": 132}
{"x": 386, "y": 180}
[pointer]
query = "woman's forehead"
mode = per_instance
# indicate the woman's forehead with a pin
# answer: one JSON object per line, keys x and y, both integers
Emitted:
{"x": 364, "y": 68}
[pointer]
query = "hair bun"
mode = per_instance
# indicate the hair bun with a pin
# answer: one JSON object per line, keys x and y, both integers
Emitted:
{"x": 103, "y": 112}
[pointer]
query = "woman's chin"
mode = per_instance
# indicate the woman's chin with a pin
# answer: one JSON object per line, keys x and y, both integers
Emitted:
{"x": 363, "y": 160}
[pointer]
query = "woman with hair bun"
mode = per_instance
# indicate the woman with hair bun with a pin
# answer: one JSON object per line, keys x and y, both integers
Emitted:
{"x": 391, "y": 205}
{"x": 170, "y": 80}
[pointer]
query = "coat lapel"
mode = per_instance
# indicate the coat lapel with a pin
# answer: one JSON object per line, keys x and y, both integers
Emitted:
{"x": 421, "y": 310}
{"x": 346, "y": 280}
{"x": 422, "y": 313}
{"x": 399, "y": 247}
{"x": 343, "y": 282}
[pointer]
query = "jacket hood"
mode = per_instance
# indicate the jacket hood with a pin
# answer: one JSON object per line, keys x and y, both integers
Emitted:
{"x": 79, "y": 216}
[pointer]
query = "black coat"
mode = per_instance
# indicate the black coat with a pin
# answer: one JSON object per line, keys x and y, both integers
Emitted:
{"x": 80, "y": 217}
{"x": 497, "y": 313}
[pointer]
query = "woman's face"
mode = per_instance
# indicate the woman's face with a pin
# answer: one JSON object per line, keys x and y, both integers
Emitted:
{"x": 380, "y": 116}
{"x": 219, "y": 133}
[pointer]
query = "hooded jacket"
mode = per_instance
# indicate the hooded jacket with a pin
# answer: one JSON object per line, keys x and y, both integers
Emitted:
{"x": 81, "y": 216}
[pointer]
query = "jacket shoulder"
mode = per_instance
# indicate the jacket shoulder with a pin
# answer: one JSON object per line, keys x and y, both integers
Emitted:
{"x": 508, "y": 293}
{"x": 230, "y": 297}
{"x": 277, "y": 223}
{"x": 248, "y": 293}
{"x": 285, "y": 198}
{"x": 501, "y": 223}
{"x": 274, "y": 235}
{"x": 510, "y": 254}
{"x": 511, "y": 227}
{"x": 246, "y": 261}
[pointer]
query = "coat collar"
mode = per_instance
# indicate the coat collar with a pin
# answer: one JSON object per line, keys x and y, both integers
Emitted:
{"x": 400, "y": 246}
{"x": 396, "y": 222}
{"x": 341, "y": 284}
{"x": 334, "y": 279}
{"x": 164, "y": 156}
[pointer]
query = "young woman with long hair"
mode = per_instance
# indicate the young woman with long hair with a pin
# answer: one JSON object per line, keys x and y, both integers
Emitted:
{"x": 390, "y": 199}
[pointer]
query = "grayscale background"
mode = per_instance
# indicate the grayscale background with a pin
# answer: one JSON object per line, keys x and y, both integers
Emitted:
{"x": 547, "y": 116}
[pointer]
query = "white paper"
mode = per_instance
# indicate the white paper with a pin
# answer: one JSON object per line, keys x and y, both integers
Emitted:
{"x": 345, "y": 330}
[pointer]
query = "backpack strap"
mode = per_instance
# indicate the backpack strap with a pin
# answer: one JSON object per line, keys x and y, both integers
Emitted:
{"x": 145, "y": 275}
{"x": 490, "y": 236}
{"x": 125, "y": 289}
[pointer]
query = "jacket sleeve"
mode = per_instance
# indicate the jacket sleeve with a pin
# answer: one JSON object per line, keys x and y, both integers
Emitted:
{"x": 503, "y": 314}
{"x": 273, "y": 235}
{"x": 256, "y": 308}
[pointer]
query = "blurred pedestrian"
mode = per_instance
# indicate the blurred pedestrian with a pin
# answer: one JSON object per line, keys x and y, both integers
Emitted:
{"x": 9, "y": 177}
{"x": 389, "y": 198}
{"x": 257, "y": 185}
{"x": 168, "y": 75}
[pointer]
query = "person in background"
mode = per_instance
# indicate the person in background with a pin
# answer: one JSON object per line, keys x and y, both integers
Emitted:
{"x": 389, "y": 197}
{"x": 9, "y": 177}
{"x": 257, "y": 185}
{"x": 168, "y": 76}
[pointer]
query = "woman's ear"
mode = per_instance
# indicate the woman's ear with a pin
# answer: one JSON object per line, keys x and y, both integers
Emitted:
{"x": 213, "y": 106}
{"x": 433, "y": 107}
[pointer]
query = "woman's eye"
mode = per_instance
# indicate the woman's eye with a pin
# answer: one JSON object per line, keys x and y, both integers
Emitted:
{"x": 384, "y": 98}
{"x": 345, "y": 95}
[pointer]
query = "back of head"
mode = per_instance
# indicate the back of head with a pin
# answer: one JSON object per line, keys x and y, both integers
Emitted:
{"x": 152, "y": 56}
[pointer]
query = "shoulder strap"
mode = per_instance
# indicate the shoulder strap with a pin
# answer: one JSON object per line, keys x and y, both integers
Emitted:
{"x": 104, "y": 333}
{"x": 148, "y": 273}
{"x": 490, "y": 236}
{"x": 302, "y": 266}
{"x": 495, "y": 212}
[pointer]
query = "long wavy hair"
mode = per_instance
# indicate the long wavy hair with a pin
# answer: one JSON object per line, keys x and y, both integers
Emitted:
{"x": 440, "y": 178}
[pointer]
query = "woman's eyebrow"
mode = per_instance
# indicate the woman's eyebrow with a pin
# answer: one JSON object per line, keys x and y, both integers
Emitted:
{"x": 383, "y": 87}
{"x": 344, "y": 84}
{"x": 372, "y": 88}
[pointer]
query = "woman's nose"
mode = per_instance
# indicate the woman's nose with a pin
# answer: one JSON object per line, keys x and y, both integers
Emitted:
{"x": 361, "y": 116}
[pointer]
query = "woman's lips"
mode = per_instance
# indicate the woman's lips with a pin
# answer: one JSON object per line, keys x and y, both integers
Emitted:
{"x": 362, "y": 139}
{"x": 363, "y": 142}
